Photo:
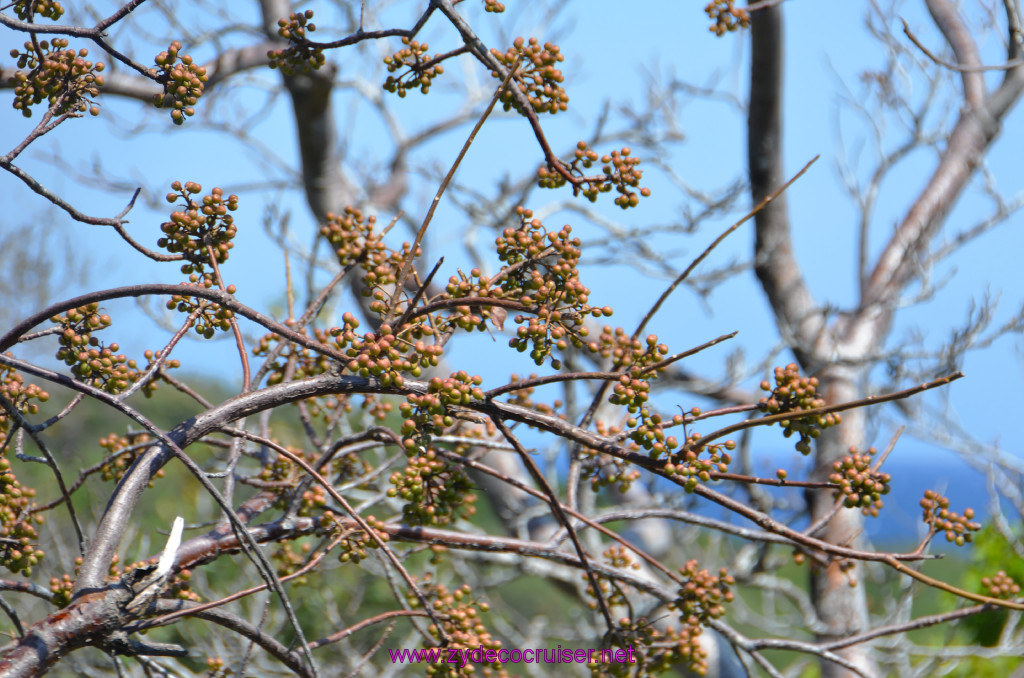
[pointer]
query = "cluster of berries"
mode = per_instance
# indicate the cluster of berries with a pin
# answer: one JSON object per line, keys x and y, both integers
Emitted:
{"x": 48, "y": 9}
{"x": 430, "y": 413}
{"x": 540, "y": 270}
{"x": 90, "y": 360}
{"x": 704, "y": 595}
{"x": 858, "y": 484}
{"x": 1001, "y": 585}
{"x": 421, "y": 69}
{"x": 199, "y": 230}
{"x": 202, "y": 233}
{"x": 183, "y": 82}
{"x": 461, "y": 616}
{"x": 539, "y": 79}
{"x": 796, "y": 393}
{"x": 18, "y": 550}
{"x": 619, "y": 171}
{"x": 354, "y": 543}
{"x": 304, "y": 361}
{"x": 656, "y": 650}
{"x": 958, "y": 528}
{"x": 688, "y": 462}
{"x": 25, "y": 398}
{"x": 604, "y": 470}
{"x": 727, "y": 17}
{"x": 121, "y": 453}
{"x": 300, "y": 56}
{"x": 435, "y": 492}
{"x": 62, "y": 77}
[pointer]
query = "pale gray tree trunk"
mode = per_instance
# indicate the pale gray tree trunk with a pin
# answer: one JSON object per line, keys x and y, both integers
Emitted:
{"x": 839, "y": 352}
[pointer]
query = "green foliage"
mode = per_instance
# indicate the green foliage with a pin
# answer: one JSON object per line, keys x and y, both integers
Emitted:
{"x": 989, "y": 556}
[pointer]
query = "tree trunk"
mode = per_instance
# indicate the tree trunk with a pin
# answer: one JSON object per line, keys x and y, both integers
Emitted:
{"x": 838, "y": 590}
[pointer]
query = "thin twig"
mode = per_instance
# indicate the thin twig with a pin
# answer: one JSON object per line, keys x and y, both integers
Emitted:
{"x": 715, "y": 243}
{"x": 563, "y": 519}
{"x": 1009, "y": 65}
{"x": 403, "y": 272}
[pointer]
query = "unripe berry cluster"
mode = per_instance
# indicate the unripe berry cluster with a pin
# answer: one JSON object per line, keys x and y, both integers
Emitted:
{"x": 1000, "y": 585}
{"x": 212, "y": 317}
{"x": 18, "y": 552}
{"x": 289, "y": 560}
{"x": 523, "y": 398}
{"x": 183, "y": 82}
{"x": 376, "y": 408}
{"x": 352, "y": 236}
{"x": 20, "y": 395}
{"x": 48, "y": 9}
{"x": 382, "y": 271}
{"x": 631, "y": 391}
{"x": 121, "y": 453}
{"x": 196, "y": 228}
{"x": 301, "y": 56}
{"x": 619, "y": 556}
{"x": 421, "y": 69}
{"x": 435, "y": 492}
{"x": 354, "y": 241}
{"x": 150, "y": 386}
{"x": 540, "y": 270}
{"x": 471, "y": 317}
{"x": 794, "y": 393}
{"x": 178, "y": 587}
{"x": 281, "y": 476}
{"x": 352, "y": 548}
{"x": 604, "y": 470}
{"x": 625, "y": 351}
{"x": 197, "y": 231}
{"x": 460, "y": 388}
{"x": 525, "y": 244}
{"x": 461, "y": 616}
{"x": 689, "y": 464}
{"x": 428, "y": 414}
{"x": 858, "y": 484}
{"x": 539, "y": 79}
{"x": 613, "y": 594}
{"x": 493, "y": 6}
{"x": 686, "y": 649}
{"x": 61, "y": 589}
{"x": 704, "y": 595}
{"x": 90, "y": 361}
{"x": 354, "y": 544}
{"x": 380, "y": 354}
{"x": 657, "y": 650}
{"x": 958, "y": 528}
{"x": 619, "y": 171}
{"x": 311, "y": 500}
{"x": 727, "y": 16}
{"x": 620, "y": 168}
{"x": 63, "y": 77}
{"x": 307, "y": 363}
